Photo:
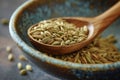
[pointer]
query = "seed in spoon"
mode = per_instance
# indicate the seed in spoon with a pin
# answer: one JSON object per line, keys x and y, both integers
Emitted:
{"x": 57, "y": 31}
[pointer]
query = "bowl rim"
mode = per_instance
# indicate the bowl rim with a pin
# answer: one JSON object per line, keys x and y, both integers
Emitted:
{"x": 37, "y": 54}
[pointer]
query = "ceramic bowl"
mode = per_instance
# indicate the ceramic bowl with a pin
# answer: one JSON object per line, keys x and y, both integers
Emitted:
{"x": 33, "y": 11}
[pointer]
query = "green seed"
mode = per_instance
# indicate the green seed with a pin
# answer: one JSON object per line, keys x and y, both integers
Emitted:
{"x": 23, "y": 72}
{"x": 46, "y": 40}
{"x": 56, "y": 43}
{"x": 67, "y": 42}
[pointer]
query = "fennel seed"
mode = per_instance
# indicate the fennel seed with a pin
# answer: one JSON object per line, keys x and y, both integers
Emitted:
{"x": 10, "y": 57}
{"x": 58, "y": 32}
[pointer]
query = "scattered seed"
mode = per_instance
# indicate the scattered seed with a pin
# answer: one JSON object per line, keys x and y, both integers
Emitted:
{"x": 23, "y": 72}
{"x": 10, "y": 57}
{"x": 28, "y": 67}
{"x": 4, "y": 21}
{"x": 8, "y": 49}
{"x": 22, "y": 58}
{"x": 19, "y": 66}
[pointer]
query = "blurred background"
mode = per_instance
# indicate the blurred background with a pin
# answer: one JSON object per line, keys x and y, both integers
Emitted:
{"x": 8, "y": 69}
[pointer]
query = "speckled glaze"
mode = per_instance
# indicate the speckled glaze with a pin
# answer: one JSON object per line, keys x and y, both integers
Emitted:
{"x": 33, "y": 11}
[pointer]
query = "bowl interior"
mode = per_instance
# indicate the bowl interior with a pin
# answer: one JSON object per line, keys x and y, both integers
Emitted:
{"x": 45, "y": 9}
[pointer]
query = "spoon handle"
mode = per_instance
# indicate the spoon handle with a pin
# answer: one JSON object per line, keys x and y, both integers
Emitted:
{"x": 103, "y": 21}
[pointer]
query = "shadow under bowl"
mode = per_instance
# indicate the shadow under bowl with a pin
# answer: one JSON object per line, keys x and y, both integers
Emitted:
{"x": 33, "y": 11}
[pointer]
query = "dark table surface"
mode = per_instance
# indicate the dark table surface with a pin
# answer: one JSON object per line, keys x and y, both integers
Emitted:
{"x": 8, "y": 70}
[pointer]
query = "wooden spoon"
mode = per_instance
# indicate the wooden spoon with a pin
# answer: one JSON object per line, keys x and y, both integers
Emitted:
{"x": 95, "y": 25}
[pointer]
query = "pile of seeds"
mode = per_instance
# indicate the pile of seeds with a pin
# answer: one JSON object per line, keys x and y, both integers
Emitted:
{"x": 22, "y": 70}
{"x": 101, "y": 50}
{"x": 58, "y": 32}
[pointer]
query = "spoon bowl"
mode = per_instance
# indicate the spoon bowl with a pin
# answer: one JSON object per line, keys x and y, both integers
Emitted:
{"x": 63, "y": 49}
{"x": 95, "y": 26}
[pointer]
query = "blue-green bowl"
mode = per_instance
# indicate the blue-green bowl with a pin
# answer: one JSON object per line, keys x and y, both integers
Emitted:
{"x": 33, "y": 11}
